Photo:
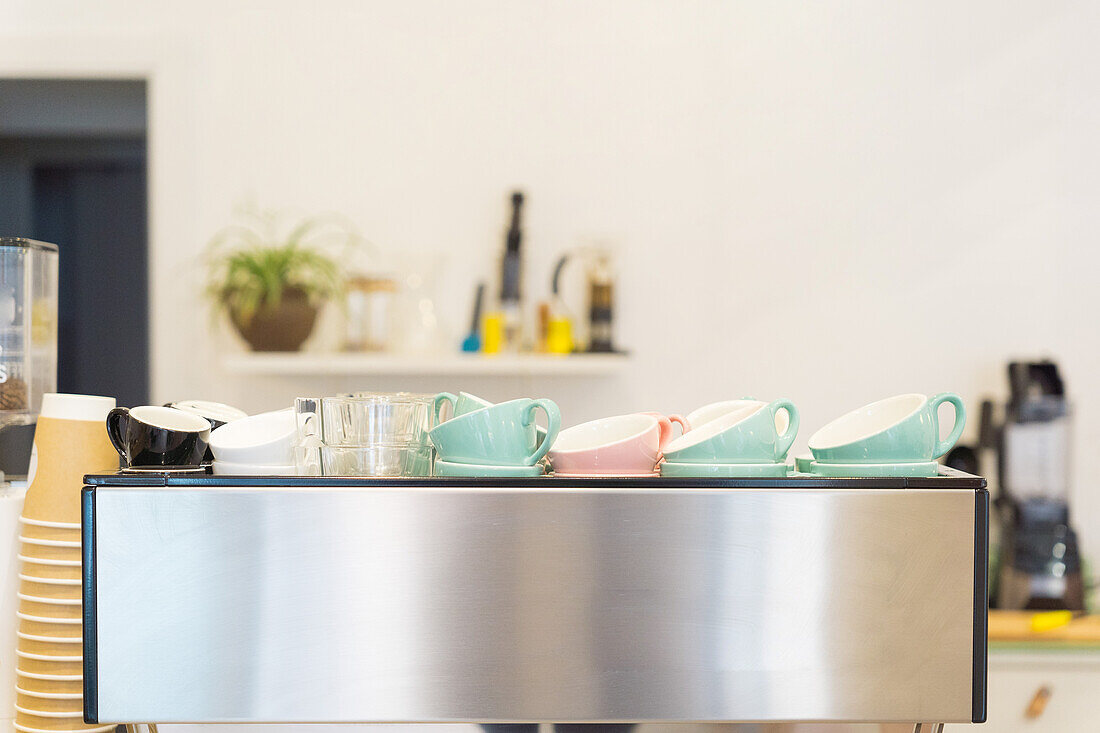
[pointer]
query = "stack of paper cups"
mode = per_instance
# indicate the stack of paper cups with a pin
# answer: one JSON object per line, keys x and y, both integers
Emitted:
{"x": 70, "y": 441}
{"x": 11, "y": 505}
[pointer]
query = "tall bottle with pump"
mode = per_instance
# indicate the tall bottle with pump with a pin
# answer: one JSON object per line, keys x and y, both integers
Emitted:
{"x": 601, "y": 302}
{"x": 511, "y": 277}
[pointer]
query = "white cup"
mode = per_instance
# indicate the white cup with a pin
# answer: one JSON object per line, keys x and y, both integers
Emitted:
{"x": 266, "y": 439}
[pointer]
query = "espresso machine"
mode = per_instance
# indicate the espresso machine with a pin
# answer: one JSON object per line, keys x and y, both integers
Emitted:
{"x": 1040, "y": 564}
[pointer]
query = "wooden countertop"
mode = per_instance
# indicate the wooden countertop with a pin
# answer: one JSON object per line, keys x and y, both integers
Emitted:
{"x": 1043, "y": 628}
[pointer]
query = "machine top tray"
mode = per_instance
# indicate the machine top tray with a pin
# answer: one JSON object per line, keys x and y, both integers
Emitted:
{"x": 948, "y": 479}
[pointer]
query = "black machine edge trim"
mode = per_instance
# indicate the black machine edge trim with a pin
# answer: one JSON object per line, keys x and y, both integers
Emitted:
{"x": 981, "y": 604}
{"x": 87, "y": 516}
{"x": 953, "y": 481}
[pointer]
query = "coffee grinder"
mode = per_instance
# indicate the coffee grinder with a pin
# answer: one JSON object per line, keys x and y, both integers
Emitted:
{"x": 28, "y": 345}
{"x": 1040, "y": 565}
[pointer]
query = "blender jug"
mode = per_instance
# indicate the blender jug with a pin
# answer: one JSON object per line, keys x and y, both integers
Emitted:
{"x": 28, "y": 345}
{"x": 1041, "y": 563}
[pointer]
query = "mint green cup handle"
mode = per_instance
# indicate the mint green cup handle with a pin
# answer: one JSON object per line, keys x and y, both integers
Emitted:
{"x": 784, "y": 442}
{"x": 437, "y": 405}
{"x": 942, "y": 446}
{"x": 553, "y": 425}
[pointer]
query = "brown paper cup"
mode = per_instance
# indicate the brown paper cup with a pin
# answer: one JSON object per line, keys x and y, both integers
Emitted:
{"x": 54, "y": 649}
{"x": 50, "y": 630}
{"x": 72, "y": 644}
{"x": 67, "y": 450}
{"x": 21, "y": 728}
{"x": 55, "y": 670}
{"x": 47, "y": 722}
{"x": 55, "y": 591}
{"x": 56, "y": 582}
{"x": 49, "y": 687}
{"x": 47, "y": 610}
{"x": 36, "y": 549}
{"x": 97, "y": 729}
{"x": 29, "y": 528}
{"x": 50, "y": 533}
{"x": 49, "y": 704}
{"x": 39, "y": 568}
{"x": 58, "y": 646}
{"x": 87, "y": 729}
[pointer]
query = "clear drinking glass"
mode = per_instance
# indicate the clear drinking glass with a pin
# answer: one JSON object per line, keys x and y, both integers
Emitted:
{"x": 379, "y": 460}
{"x": 367, "y": 419}
{"x": 307, "y": 416}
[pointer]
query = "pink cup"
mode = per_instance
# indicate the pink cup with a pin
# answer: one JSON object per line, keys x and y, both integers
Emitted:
{"x": 624, "y": 445}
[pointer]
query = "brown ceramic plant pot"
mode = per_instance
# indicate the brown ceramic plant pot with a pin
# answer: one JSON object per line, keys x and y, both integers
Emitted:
{"x": 282, "y": 328}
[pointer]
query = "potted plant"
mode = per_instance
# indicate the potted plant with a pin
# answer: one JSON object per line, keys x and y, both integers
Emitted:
{"x": 273, "y": 286}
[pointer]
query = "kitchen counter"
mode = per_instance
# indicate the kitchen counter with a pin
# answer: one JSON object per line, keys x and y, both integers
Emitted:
{"x": 1015, "y": 629}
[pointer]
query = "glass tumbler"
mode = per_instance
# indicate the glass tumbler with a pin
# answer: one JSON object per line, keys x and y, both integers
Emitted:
{"x": 367, "y": 419}
{"x": 307, "y": 417}
{"x": 379, "y": 460}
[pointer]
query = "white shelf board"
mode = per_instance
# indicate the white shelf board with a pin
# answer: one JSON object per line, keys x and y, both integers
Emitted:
{"x": 346, "y": 364}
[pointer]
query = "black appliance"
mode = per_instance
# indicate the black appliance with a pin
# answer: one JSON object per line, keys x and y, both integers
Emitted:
{"x": 1040, "y": 564}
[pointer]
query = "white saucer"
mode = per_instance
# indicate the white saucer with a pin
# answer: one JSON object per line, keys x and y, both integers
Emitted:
{"x": 876, "y": 470}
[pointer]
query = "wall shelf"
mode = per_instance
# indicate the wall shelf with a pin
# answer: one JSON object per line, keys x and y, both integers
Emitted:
{"x": 348, "y": 364}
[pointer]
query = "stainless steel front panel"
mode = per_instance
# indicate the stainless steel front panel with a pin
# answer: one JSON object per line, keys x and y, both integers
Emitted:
{"x": 217, "y": 604}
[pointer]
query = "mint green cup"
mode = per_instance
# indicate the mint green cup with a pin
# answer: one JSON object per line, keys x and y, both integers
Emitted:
{"x": 901, "y": 429}
{"x": 499, "y": 435}
{"x": 747, "y": 435}
{"x": 464, "y": 403}
{"x": 461, "y": 404}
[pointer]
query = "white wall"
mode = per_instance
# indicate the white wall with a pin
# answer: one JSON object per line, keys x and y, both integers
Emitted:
{"x": 832, "y": 202}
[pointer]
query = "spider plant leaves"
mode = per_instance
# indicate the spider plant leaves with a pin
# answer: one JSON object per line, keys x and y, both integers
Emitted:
{"x": 250, "y": 269}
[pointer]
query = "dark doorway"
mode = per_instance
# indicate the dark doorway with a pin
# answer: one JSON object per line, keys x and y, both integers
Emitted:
{"x": 73, "y": 172}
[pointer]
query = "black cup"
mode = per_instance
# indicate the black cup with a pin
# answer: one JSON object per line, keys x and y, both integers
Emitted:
{"x": 154, "y": 437}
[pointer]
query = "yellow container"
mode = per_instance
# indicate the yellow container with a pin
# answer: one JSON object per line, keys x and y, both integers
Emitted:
{"x": 492, "y": 333}
{"x": 559, "y": 336}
